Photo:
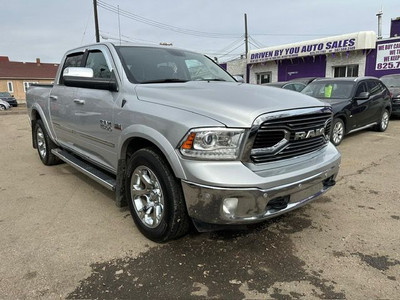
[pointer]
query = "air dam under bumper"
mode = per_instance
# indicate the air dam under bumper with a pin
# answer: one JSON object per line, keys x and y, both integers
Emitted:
{"x": 224, "y": 206}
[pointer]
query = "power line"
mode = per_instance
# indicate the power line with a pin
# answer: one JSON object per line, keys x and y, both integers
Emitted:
{"x": 160, "y": 25}
{"x": 84, "y": 32}
{"x": 296, "y": 34}
{"x": 219, "y": 56}
{"x": 138, "y": 18}
{"x": 258, "y": 44}
{"x": 107, "y": 35}
{"x": 223, "y": 50}
{"x": 251, "y": 43}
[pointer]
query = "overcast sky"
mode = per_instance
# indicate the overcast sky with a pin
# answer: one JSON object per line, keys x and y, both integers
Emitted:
{"x": 47, "y": 28}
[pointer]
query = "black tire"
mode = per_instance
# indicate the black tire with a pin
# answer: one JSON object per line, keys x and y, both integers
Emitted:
{"x": 338, "y": 131}
{"x": 44, "y": 145}
{"x": 2, "y": 107}
{"x": 155, "y": 197}
{"x": 383, "y": 121}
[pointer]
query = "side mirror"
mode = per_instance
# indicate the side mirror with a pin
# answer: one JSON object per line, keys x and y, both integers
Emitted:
{"x": 83, "y": 78}
{"x": 239, "y": 78}
{"x": 362, "y": 96}
{"x": 77, "y": 72}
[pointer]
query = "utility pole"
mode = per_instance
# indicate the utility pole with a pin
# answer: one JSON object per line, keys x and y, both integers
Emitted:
{"x": 246, "y": 44}
{"x": 246, "y": 37}
{"x": 96, "y": 21}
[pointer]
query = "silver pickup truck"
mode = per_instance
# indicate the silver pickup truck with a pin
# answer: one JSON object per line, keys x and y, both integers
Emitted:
{"x": 181, "y": 141}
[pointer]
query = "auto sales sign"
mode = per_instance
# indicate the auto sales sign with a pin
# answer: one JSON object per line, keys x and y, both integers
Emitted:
{"x": 342, "y": 43}
{"x": 388, "y": 56}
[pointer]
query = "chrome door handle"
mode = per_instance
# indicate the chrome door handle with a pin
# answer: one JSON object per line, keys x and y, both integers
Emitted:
{"x": 54, "y": 98}
{"x": 79, "y": 101}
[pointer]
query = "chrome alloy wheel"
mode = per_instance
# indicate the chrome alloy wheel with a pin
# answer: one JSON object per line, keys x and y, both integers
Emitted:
{"x": 147, "y": 196}
{"x": 385, "y": 120}
{"x": 41, "y": 142}
{"x": 338, "y": 131}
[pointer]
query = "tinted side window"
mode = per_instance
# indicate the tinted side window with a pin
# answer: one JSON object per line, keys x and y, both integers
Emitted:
{"x": 362, "y": 87}
{"x": 72, "y": 60}
{"x": 375, "y": 87}
{"x": 290, "y": 86}
{"x": 299, "y": 87}
{"x": 98, "y": 63}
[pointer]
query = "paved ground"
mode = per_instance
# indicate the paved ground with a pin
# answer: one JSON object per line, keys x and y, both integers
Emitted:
{"x": 62, "y": 236}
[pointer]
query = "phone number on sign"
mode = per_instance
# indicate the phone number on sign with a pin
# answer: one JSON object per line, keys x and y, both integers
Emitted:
{"x": 388, "y": 66}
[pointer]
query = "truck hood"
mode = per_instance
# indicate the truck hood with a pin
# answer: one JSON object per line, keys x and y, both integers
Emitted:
{"x": 233, "y": 104}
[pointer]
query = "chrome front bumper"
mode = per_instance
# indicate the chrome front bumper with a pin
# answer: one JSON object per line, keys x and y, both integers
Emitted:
{"x": 224, "y": 205}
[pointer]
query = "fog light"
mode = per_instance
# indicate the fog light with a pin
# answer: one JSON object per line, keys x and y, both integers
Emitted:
{"x": 229, "y": 205}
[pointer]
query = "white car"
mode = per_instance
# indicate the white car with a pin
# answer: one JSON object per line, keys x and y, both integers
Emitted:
{"x": 4, "y": 105}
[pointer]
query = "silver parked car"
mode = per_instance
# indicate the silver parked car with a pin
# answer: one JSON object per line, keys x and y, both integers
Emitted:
{"x": 4, "y": 105}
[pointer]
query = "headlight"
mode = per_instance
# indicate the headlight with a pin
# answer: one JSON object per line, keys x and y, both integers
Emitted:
{"x": 212, "y": 143}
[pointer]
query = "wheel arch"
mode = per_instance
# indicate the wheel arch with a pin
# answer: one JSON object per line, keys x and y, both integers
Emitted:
{"x": 388, "y": 107}
{"x": 344, "y": 119}
{"x": 143, "y": 137}
{"x": 35, "y": 114}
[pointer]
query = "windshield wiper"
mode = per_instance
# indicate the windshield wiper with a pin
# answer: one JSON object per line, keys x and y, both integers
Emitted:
{"x": 210, "y": 79}
{"x": 165, "y": 80}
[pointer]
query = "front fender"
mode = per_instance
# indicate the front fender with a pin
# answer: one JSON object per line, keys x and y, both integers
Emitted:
{"x": 155, "y": 137}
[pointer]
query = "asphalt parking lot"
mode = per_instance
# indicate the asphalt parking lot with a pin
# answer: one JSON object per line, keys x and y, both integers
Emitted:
{"x": 62, "y": 236}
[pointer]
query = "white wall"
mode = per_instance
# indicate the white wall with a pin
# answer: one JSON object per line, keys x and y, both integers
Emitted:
{"x": 270, "y": 66}
{"x": 237, "y": 67}
{"x": 340, "y": 59}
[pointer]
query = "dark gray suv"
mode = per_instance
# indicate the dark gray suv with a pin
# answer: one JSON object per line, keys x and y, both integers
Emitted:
{"x": 8, "y": 98}
{"x": 357, "y": 103}
{"x": 393, "y": 84}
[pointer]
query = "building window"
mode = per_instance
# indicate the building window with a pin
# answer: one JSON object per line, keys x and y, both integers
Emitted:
{"x": 263, "y": 78}
{"x": 346, "y": 71}
{"x": 10, "y": 87}
{"x": 28, "y": 84}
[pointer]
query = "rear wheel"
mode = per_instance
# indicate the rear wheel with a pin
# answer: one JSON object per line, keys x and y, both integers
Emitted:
{"x": 2, "y": 107}
{"x": 337, "y": 132}
{"x": 384, "y": 121}
{"x": 155, "y": 197}
{"x": 44, "y": 145}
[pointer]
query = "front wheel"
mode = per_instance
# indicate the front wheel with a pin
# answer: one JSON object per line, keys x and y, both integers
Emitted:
{"x": 337, "y": 132}
{"x": 2, "y": 107}
{"x": 384, "y": 121}
{"x": 155, "y": 197}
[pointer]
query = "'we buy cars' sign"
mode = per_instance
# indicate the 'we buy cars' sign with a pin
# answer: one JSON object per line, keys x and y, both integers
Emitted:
{"x": 388, "y": 56}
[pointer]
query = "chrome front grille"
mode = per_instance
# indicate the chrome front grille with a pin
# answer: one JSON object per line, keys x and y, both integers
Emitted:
{"x": 293, "y": 135}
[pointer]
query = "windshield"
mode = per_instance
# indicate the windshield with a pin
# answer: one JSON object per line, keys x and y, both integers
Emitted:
{"x": 391, "y": 81}
{"x": 329, "y": 89}
{"x": 4, "y": 94}
{"x": 154, "y": 65}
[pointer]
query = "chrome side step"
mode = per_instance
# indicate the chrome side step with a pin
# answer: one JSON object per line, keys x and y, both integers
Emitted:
{"x": 362, "y": 128}
{"x": 87, "y": 169}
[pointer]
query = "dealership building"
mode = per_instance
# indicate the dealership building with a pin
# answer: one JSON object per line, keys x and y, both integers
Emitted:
{"x": 348, "y": 55}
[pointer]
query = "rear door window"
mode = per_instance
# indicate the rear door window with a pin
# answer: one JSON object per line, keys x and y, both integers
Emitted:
{"x": 375, "y": 87}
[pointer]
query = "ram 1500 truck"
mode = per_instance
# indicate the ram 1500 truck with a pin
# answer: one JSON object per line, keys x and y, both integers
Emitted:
{"x": 180, "y": 140}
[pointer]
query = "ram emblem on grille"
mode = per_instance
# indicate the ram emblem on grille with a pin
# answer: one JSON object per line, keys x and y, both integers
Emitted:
{"x": 301, "y": 135}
